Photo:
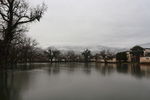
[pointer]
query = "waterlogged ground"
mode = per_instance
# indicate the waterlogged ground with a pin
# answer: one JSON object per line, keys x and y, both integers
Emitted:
{"x": 76, "y": 81}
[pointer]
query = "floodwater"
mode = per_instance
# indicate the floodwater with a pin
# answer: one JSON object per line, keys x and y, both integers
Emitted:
{"x": 76, "y": 81}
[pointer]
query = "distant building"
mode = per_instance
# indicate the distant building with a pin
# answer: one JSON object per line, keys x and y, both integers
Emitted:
{"x": 129, "y": 56}
{"x": 147, "y": 52}
{"x": 145, "y": 58}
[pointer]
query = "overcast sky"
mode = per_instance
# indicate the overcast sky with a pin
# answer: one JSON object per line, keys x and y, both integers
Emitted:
{"x": 115, "y": 23}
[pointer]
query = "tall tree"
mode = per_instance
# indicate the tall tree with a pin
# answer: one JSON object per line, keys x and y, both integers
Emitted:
{"x": 106, "y": 55}
{"x": 121, "y": 56}
{"x": 56, "y": 55}
{"x": 136, "y": 53}
{"x": 87, "y": 55}
{"x": 14, "y": 15}
{"x": 50, "y": 53}
{"x": 71, "y": 56}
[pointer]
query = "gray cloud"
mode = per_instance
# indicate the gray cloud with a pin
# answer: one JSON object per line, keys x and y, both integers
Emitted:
{"x": 119, "y": 23}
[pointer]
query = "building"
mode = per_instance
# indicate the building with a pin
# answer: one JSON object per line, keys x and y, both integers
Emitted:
{"x": 144, "y": 58}
{"x": 147, "y": 52}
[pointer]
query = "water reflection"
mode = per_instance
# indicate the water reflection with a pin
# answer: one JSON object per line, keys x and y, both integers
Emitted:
{"x": 135, "y": 70}
{"x": 105, "y": 69}
{"x": 87, "y": 68}
{"x": 122, "y": 68}
{"x": 14, "y": 83}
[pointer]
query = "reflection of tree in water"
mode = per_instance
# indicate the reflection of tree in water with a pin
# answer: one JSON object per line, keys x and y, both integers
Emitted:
{"x": 105, "y": 69}
{"x": 122, "y": 68}
{"x": 133, "y": 69}
{"x": 54, "y": 68}
{"x": 29, "y": 66}
{"x": 4, "y": 88}
{"x": 12, "y": 85}
{"x": 71, "y": 67}
{"x": 87, "y": 68}
{"x": 146, "y": 69}
{"x": 136, "y": 71}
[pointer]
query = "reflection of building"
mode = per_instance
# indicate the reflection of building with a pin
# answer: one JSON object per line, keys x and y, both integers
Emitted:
{"x": 145, "y": 59}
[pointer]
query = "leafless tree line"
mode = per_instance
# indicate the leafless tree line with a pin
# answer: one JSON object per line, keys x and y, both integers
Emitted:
{"x": 14, "y": 18}
{"x": 55, "y": 55}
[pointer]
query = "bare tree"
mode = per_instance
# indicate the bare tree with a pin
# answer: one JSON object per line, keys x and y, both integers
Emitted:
{"x": 106, "y": 55}
{"x": 22, "y": 50}
{"x": 57, "y": 55}
{"x": 71, "y": 56}
{"x": 39, "y": 55}
{"x": 14, "y": 14}
{"x": 28, "y": 49}
{"x": 87, "y": 55}
{"x": 53, "y": 53}
{"x": 50, "y": 53}
{"x": 97, "y": 56}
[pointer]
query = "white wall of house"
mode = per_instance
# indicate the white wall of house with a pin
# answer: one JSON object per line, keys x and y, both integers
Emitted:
{"x": 112, "y": 61}
{"x": 146, "y": 52}
{"x": 109, "y": 61}
{"x": 144, "y": 59}
{"x": 129, "y": 56}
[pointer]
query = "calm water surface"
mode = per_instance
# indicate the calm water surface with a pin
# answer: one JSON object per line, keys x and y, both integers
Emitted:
{"x": 76, "y": 81}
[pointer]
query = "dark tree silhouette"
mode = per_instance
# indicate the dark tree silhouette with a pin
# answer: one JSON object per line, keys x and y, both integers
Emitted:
{"x": 106, "y": 55}
{"x": 87, "y": 55}
{"x": 50, "y": 52}
{"x": 14, "y": 14}
{"x": 27, "y": 49}
{"x": 57, "y": 55}
{"x": 71, "y": 56}
{"x": 121, "y": 56}
{"x": 53, "y": 54}
{"x": 136, "y": 53}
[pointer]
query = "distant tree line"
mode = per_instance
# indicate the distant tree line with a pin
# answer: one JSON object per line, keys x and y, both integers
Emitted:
{"x": 28, "y": 51}
{"x": 55, "y": 55}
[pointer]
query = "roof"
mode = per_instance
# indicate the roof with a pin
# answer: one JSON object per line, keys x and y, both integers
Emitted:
{"x": 147, "y": 48}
